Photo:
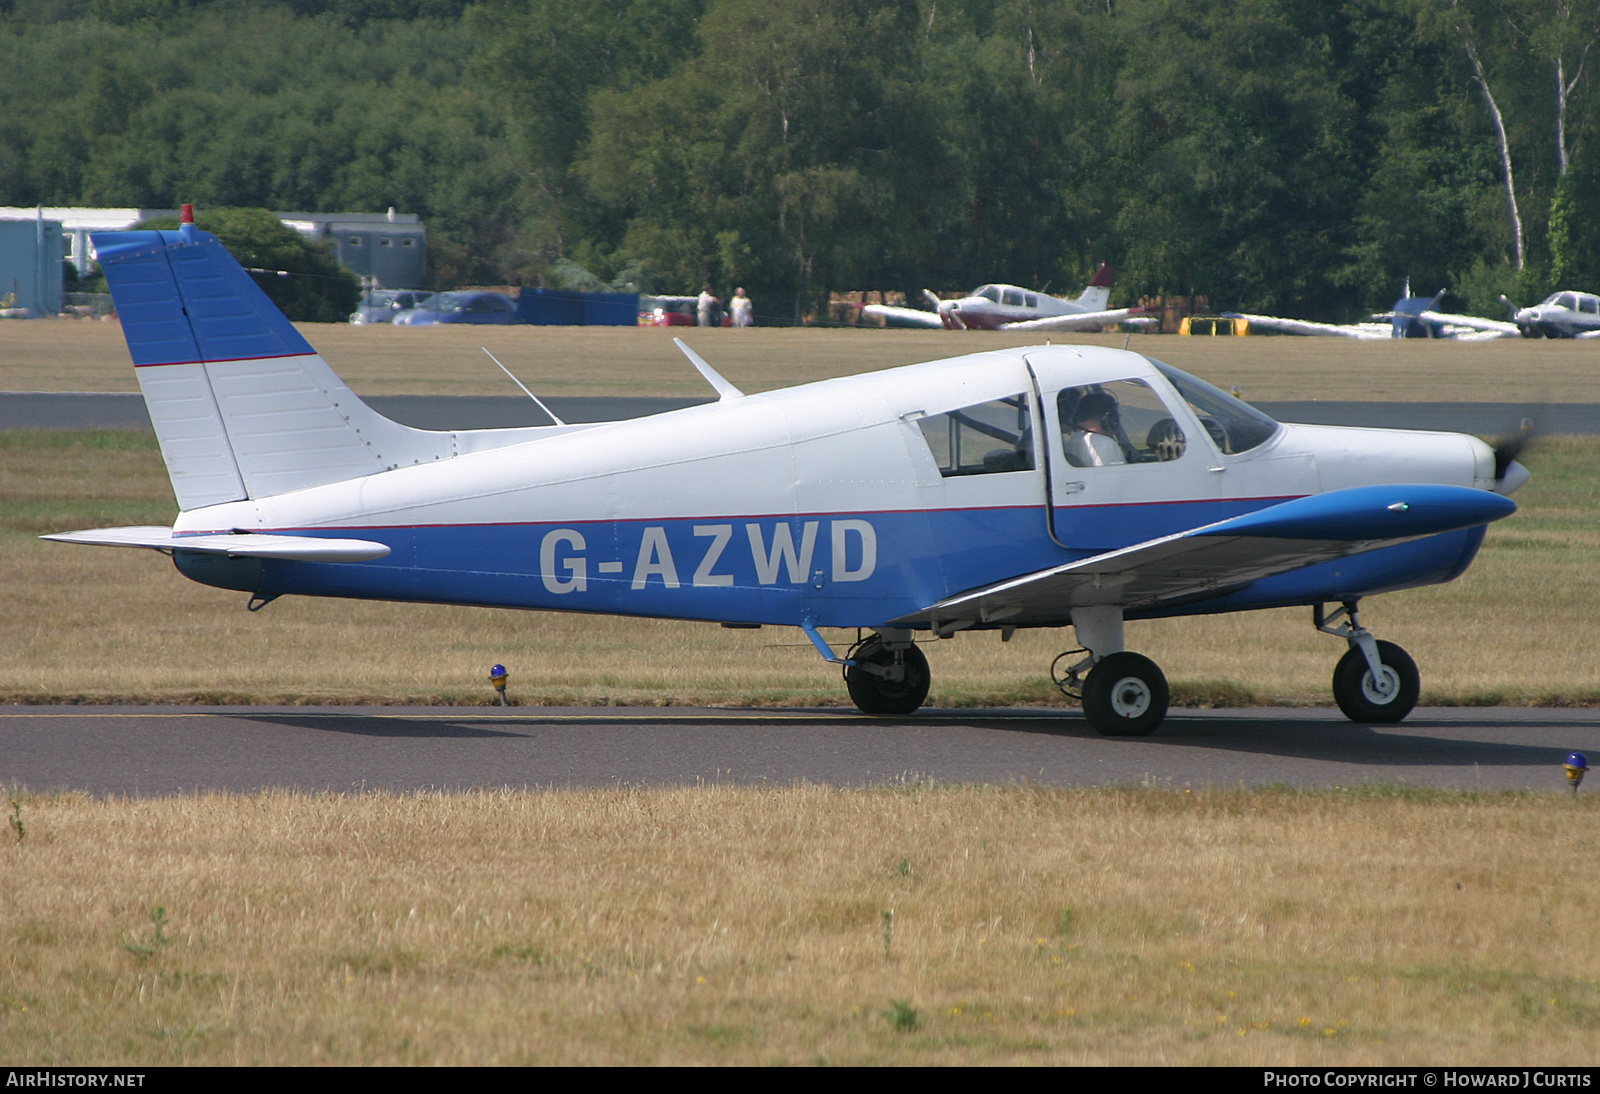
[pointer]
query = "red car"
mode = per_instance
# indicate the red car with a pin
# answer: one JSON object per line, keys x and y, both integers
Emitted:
{"x": 674, "y": 311}
{"x": 667, "y": 311}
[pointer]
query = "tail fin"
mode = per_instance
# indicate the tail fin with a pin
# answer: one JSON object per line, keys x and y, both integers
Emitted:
{"x": 241, "y": 403}
{"x": 1098, "y": 294}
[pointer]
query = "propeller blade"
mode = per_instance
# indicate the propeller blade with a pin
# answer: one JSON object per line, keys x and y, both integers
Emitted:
{"x": 931, "y": 298}
{"x": 1508, "y": 447}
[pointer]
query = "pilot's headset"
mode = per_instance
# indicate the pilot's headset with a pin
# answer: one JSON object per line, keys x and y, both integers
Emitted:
{"x": 1101, "y": 405}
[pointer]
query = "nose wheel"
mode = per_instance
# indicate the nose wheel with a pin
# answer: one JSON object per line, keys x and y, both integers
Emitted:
{"x": 1374, "y": 681}
{"x": 1386, "y": 696}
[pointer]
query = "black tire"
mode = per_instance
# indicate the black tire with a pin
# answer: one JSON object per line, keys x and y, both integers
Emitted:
{"x": 1353, "y": 685}
{"x": 1125, "y": 695}
{"x": 873, "y": 694}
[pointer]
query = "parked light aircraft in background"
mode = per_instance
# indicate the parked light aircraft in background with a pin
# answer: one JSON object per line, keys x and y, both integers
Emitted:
{"x": 1562, "y": 315}
{"x": 1036, "y": 487}
{"x": 1010, "y": 307}
{"x": 1411, "y": 317}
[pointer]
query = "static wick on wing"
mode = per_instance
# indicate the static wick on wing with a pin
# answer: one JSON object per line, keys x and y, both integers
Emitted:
{"x": 525, "y": 390}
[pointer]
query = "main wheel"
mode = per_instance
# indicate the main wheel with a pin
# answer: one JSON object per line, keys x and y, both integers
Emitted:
{"x": 1364, "y": 699}
{"x": 875, "y": 694}
{"x": 1125, "y": 695}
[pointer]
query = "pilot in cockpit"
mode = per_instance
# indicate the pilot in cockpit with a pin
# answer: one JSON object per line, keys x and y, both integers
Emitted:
{"x": 1092, "y": 441}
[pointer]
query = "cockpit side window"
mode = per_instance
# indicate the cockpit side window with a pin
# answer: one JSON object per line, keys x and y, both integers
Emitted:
{"x": 1567, "y": 300}
{"x": 983, "y": 439}
{"x": 1589, "y": 304}
{"x": 1012, "y": 297}
{"x": 1234, "y": 425}
{"x": 1122, "y": 421}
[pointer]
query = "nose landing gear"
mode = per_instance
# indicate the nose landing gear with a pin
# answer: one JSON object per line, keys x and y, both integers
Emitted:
{"x": 1374, "y": 681}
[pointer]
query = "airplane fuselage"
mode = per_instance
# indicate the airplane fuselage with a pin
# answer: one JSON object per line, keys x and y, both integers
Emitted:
{"x": 849, "y": 502}
{"x": 990, "y": 307}
{"x": 1562, "y": 315}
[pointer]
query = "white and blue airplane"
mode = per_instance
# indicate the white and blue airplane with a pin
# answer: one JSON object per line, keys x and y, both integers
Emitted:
{"x": 1040, "y": 487}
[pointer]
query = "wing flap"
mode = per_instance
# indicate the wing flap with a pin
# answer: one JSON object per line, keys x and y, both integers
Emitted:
{"x": 1221, "y": 557}
{"x": 238, "y": 545}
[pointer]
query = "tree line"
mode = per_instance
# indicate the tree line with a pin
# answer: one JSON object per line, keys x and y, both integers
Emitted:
{"x": 1300, "y": 158}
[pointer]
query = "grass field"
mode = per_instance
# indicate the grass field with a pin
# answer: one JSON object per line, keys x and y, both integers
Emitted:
{"x": 725, "y": 925}
{"x": 104, "y": 625}
{"x": 66, "y": 355}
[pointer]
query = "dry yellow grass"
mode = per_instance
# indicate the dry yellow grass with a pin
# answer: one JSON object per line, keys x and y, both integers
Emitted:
{"x": 99, "y": 625}
{"x": 802, "y": 925}
{"x": 63, "y": 355}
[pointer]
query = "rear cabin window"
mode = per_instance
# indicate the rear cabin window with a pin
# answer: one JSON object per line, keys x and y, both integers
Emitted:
{"x": 983, "y": 439}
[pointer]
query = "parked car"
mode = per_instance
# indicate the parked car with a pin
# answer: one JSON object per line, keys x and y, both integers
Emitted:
{"x": 382, "y": 305}
{"x": 668, "y": 311}
{"x": 460, "y": 307}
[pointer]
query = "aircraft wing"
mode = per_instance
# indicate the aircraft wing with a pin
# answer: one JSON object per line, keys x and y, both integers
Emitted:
{"x": 1304, "y": 326}
{"x": 1222, "y": 557}
{"x": 1494, "y": 327}
{"x": 903, "y": 317}
{"x": 1076, "y": 321}
{"x": 236, "y": 545}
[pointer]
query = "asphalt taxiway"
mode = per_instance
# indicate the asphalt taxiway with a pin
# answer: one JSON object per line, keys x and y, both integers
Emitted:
{"x": 149, "y": 751}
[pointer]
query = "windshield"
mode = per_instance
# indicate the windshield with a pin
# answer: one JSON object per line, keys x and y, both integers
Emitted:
{"x": 1234, "y": 425}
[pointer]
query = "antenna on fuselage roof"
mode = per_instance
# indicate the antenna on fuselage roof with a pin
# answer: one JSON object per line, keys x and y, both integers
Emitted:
{"x": 525, "y": 391}
{"x": 725, "y": 390}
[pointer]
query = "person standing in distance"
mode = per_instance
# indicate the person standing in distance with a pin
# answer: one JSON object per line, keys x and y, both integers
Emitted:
{"x": 741, "y": 305}
{"x": 707, "y": 307}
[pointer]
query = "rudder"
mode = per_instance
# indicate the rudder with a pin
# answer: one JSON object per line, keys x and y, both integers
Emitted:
{"x": 242, "y": 405}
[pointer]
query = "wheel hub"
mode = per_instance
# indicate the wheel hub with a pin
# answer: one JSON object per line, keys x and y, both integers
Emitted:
{"x": 1130, "y": 698}
{"x": 1382, "y": 688}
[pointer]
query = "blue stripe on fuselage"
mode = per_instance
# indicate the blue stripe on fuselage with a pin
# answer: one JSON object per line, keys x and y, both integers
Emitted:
{"x": 850, "y": 569}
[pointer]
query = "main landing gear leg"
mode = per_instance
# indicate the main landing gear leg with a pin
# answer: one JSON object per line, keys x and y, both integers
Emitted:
{"x": 889, "y": 674}
{"x": 1374, "y": 681}
{"x": 1125, "y": 694}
